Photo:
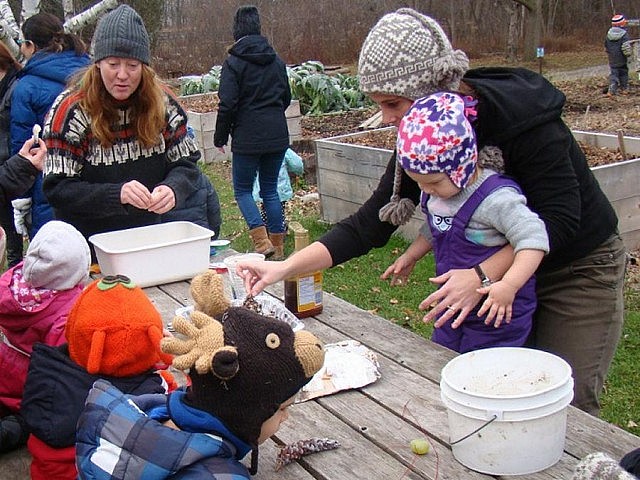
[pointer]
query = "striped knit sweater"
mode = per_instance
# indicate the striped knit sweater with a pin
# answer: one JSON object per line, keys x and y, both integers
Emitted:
{"x": 83, "y": 179}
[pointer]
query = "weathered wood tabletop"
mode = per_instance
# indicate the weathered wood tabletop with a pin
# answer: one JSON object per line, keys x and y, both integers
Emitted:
{"x": 375, "y": 424}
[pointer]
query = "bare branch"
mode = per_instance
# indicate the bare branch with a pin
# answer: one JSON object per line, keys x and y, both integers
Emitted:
{"x": 10, "y": 24}
{"x": 528, "y": 4}
{"x": 6, "y": 36}
{"x": 82, "y": 19}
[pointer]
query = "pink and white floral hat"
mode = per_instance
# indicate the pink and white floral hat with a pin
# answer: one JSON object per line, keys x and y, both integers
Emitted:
{"x": 436, "y": 136}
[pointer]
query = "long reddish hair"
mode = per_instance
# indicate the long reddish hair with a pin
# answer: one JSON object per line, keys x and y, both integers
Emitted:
{"x": 7, "y": 60}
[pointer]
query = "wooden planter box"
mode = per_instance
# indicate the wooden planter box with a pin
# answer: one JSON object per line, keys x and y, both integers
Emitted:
{"x": 348, "y": 174}
{"x": 204, "y": 125}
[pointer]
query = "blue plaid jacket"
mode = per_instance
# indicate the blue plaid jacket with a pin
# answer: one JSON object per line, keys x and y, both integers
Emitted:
{"x": 116, "y": 439}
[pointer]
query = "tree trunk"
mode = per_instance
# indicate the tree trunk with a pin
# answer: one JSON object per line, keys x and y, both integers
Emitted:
{"x": 533, "y": 37}
{"x": 10, "y": 22}
{"x": 67, "y": 8}
{"x": 90, "y": 15}
{"x": 7, "y": 38}
{"x": 512, "y": 37}
{"x": 29, "y": 9}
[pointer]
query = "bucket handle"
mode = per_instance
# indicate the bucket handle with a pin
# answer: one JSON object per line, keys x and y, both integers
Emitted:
{"x": 493, "y": 418}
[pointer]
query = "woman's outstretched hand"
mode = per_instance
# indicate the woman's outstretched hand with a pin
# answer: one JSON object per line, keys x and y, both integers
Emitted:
{"x": 455, "y": 298}
{"x": 259, "y": 274}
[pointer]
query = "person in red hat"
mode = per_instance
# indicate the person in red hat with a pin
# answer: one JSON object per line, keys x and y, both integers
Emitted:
{"x": 618, "y": 49}
{"x": 113, "y": 332}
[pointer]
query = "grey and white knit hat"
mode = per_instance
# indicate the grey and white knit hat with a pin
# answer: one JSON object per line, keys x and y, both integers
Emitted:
{"x": 600, "y": 466}
{"x": 408, "y": 54}
{"x": 121, "y": 33}
{"x": 58, "y": 257}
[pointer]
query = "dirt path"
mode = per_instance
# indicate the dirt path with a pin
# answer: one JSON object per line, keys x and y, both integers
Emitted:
{"x": 587, "y": 72}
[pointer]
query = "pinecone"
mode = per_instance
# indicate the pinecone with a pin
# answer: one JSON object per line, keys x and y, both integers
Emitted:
{"x": 250, "y": 303}
{"x": 296, "y": 450}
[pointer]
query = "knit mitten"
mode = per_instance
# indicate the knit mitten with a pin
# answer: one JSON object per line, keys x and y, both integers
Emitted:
{"x": 599, "y": 466}
{"x": 207, "y": 291}
{"x": 13, "y": 433}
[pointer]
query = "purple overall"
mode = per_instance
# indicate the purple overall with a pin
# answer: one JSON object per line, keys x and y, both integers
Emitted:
{"x": 453, "y": 250}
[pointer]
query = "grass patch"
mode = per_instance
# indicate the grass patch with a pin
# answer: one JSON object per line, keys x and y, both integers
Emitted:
{"x": 357, "y": 281}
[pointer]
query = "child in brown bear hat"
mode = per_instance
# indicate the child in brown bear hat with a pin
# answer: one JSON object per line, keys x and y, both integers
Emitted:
{"x": 113, "y": 332}
{"x": 245, "y": 370}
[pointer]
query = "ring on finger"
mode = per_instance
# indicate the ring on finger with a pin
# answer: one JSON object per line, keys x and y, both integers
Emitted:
{"x": 450, "y": 307}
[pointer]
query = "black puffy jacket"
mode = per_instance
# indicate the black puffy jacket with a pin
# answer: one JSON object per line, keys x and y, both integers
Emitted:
{"x": 254, "y": 94}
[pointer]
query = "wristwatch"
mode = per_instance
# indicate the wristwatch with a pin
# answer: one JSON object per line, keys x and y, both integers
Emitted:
{"x": 484, "y": 280}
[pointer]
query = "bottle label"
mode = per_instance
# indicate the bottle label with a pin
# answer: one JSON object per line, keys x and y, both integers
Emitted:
{"x": 309, "y": 292}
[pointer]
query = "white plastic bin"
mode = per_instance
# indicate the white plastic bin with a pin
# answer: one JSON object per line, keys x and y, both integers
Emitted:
{"x": 155, "y": 254}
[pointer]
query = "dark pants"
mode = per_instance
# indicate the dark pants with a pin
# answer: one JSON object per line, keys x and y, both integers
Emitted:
{"x": 580, "y": 316}
{"x": 618, "y": 79}
{"x": 14, "y": 239}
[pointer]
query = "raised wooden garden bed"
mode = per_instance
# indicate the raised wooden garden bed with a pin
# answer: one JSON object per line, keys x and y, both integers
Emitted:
{"x": 347, "y": 173}
{"x": 204, "y": 123}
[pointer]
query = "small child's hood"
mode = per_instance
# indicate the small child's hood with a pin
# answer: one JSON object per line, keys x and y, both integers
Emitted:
{"x": 616, "y": 33}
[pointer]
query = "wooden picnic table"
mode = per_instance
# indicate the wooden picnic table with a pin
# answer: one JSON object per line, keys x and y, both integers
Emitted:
{"x": 375, "y": 424}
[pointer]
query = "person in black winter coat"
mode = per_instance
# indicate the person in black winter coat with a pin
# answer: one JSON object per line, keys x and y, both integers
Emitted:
{"x": 254, "y": 94}
{"x": 579, "y": 284}
{"x": 9, "y": 68}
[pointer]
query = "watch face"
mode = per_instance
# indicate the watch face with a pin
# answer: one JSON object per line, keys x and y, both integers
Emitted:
{"x": 486, "y": 282}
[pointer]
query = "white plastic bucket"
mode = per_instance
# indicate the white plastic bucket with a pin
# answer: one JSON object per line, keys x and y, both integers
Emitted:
{"x": 507, "y": 409}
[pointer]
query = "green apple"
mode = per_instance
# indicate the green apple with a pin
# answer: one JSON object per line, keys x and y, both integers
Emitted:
{"x": 420, "y": 446}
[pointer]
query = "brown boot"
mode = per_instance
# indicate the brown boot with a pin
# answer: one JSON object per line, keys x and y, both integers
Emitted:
{"x": 261, "y": 242}
{"x": 277, "y": 239}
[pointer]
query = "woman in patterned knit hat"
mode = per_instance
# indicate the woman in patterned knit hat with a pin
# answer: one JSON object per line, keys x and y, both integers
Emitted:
{"x": 407, "y": 55}
{"x": 119, "y": 153}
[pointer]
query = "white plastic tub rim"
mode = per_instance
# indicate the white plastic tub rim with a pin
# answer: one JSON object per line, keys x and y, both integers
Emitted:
{"x": 149, "y": 237}
{"x": 510, "y": 383}
{"x": 154, "y": 254}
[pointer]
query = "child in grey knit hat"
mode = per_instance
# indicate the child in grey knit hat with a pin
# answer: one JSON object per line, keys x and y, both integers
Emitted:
{"x": 35, "y": 297}
{"x": 119, "y": 154}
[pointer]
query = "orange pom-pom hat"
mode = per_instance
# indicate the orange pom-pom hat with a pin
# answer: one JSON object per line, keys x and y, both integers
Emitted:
{"x": 618, "y": 21}
{"x": 114, "y": 329}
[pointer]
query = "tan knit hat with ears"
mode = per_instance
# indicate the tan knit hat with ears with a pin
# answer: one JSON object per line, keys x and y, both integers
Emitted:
{"x": 408, "y": 54}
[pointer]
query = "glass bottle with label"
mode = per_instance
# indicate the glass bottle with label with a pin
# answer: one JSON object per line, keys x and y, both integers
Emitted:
{"x": 303, "y": 293}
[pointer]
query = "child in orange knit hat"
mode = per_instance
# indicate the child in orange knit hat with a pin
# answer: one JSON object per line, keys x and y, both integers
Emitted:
{"x": 113, "y": 332}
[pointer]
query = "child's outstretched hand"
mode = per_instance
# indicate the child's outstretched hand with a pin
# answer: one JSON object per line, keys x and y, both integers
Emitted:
{"x": 499, "y": 302}
{"x": 400, "y": 270}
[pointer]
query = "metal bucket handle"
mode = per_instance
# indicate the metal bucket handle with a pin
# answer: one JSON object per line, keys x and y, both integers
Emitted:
{"x": 493, "y": 418}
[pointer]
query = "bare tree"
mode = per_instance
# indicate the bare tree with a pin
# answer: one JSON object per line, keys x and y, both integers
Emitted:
{"x": 78, "y": 22}
{"x": 513, "y": 34}
{"x": 6, "y": 13}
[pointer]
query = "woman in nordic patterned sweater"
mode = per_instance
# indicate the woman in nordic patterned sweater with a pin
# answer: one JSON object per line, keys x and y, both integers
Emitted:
{"x": 119, "y": 153}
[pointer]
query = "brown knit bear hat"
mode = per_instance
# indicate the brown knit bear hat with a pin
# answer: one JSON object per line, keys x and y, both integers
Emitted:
{"x": 244, "y": 367}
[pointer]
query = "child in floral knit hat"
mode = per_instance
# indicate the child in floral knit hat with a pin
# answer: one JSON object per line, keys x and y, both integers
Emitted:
{"x": 113, "y": 332}
{"x": 245, "y": 370}
{"x": 471, "y": 212}
{"x": 35, "y": 298}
